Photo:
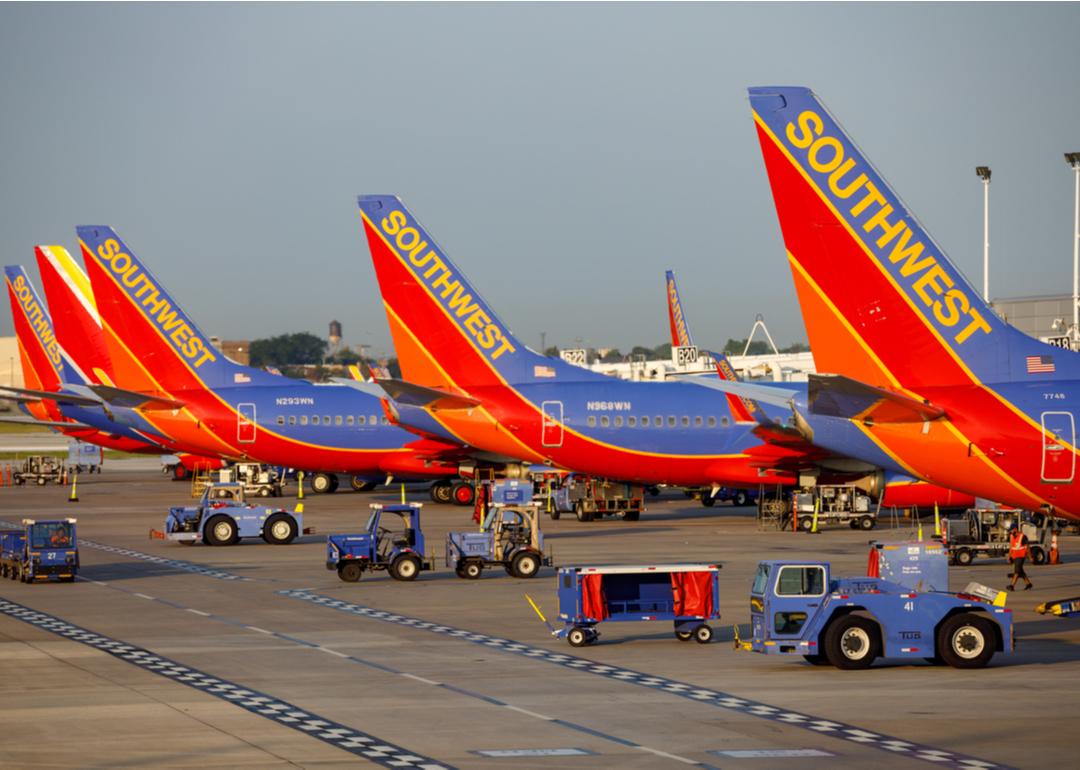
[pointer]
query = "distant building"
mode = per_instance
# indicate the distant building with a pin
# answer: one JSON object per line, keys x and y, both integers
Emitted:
{"x": 335, "y": 334}
{"x": 238, "y": 350}
{"x": 1036, "y": 316}
{"x": 10, "y": 363}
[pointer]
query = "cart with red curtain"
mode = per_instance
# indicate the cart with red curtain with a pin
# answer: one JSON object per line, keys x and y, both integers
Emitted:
{"x": 687, "y": 595}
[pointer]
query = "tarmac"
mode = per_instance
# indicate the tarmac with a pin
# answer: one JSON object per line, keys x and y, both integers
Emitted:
{"x": 258, "y": 656}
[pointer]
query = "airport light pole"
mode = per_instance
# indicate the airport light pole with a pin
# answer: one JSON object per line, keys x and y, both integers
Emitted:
{"x": 983, "y": 173}
{"x": 1073, "y": 159}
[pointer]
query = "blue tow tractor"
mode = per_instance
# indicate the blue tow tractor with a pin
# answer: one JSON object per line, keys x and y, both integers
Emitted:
{"x": 221, "y": 517}
{"x": 391, "y": 541}
{"x": 687, "y": 595}
{"x": 800, "y": 608}
{"x": 41, "y": 550}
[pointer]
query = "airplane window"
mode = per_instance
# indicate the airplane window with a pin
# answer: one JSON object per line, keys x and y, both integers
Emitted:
{"x": 350, "y": 419}
{"x": 292, "y": 419}
{"x": 592, "y": 421}
{"x": 618, "y": 422}
{"x": 315, "y": 420}
{"x": 659, "y": 421}
{"x": 361, "y": 420}
{"x": 303, "y": 419}
{"x": 644, "y": 422}
{"x": 671, "y": 421}
{"x": 697, "y": 421}
{"x": 605, "y": 421}
{"x": 385, "y": 420}
{"x": 374, "y": 420}
{"x": 685, "y": 421}
{"x": 725, "y": 421}
{"x": 712, "y": 421}
{"x": 326, "y": 420}
{"x": 631, "y": 421}
{"x": 281, "y": 419}
{"x": 337, "y": 419}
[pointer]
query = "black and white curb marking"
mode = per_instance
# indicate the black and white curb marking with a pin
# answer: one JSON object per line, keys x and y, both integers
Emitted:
{"x": 706, "y": 696}
{"x": 179, "y": 564}
{"x": 334, "y": 733}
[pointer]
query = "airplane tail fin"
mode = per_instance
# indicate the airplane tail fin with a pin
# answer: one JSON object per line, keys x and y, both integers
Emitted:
{"x": 161, "y": 344}
{"x": 881, "y": 301}
{"x": 71, "y": 303}
{"x": 742, "y": 409}
{"x": 446, "y": 336}
{"x": 39, "y": 350}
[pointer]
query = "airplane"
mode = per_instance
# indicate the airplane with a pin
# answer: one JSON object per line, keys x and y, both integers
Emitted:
{"x": 54, "y": 397}
{"x": 467, "y": 376}
{"x": 247, "y": 413}
{"x": 911, "y": 354}
{"x": 895, "y": 488}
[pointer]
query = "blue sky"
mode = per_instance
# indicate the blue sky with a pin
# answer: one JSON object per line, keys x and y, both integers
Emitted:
{"x": 563, "y": 154}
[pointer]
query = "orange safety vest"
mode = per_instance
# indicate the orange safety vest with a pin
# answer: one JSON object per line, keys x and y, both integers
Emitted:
{"x": 1017, "y": 548}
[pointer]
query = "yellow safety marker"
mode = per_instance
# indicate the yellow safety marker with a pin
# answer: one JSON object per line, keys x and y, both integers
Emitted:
{"x": 919, "y": 519}
{"x": 74, "y": 495}
{"x": 813, "y": 524}
{"x": 300, "y": 485}
{"x": 403, "y": 493}
{"x": 937, "y": 521}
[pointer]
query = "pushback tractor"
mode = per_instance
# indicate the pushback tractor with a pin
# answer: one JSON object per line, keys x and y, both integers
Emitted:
{"x": 392, "y": 540}
{"x": 800, "y": 608}
{"x": 40, "y": 551}
{"x": 221, "y": 517}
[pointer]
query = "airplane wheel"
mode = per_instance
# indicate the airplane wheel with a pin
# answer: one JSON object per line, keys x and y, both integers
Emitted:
{"x": 221, "y": 530}
{"x": 359, "y": 485}
{"x": 707, "y": 499}
{"x": 463, "y": 493}
{"x": 741, "y": 498}
{"x": 179, "y": 473}
{"x": 322, "y": 483}
{"x": 442, "y": 492}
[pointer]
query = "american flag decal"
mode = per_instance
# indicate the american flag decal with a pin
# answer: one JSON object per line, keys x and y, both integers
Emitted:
{"x": 543, "y": 371}
{"x": 1040, "y": 364}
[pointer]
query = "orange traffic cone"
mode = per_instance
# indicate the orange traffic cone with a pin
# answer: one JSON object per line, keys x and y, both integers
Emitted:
{"x": 1055, "y": 555}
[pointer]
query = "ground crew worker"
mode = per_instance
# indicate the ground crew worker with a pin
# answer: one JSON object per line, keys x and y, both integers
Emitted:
{"x": 1018, "y": 552}
{"x": 60, "y": 537}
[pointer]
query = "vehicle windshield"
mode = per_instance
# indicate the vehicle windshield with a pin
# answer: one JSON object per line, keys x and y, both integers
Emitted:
{"x": 371, "y": 521}
{"x": 52, "y": 535}
{"x": 761, "y": 579}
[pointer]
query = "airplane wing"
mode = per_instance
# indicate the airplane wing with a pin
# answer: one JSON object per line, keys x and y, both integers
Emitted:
{"x": 45, "y": 395}
{"x": 770, "y": 395}
{"x": 134, "y": 399}
{"x": 431, "y": 398}
{"x": 834, "y": 395}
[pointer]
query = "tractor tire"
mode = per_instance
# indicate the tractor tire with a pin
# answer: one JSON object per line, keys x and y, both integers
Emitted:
{"x": 703, "y": 634}
{"x": 525, "y": 565}
{"x": 554, "y": 513}
{"x": 405, "y": 567}
{"x": 867, "y": 523}
{"x": 471, "y": 570}
{"x": 806, "y": 523}
{"x": 359, "y": 485}
{"x": 463, "y": 493}
{"x": 578, "y": 637}
{"x": 322, "y": 483}
{"x": 707, "y": 499}
{"x": 442, "y": 492}
{"x": 221, "y": 530}
{"x": 279, "y": 529}
{"x": 264, "y": 491}
{"x": 966, "y": 640}
{"x": 350, "y": 571}
{"x": 741, "y": 499}
{"x": 581, "y": 512}
{"x": 963, "y": 557}
{"x": 1038, "y": 555}
{"x": 853, "y": 642}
